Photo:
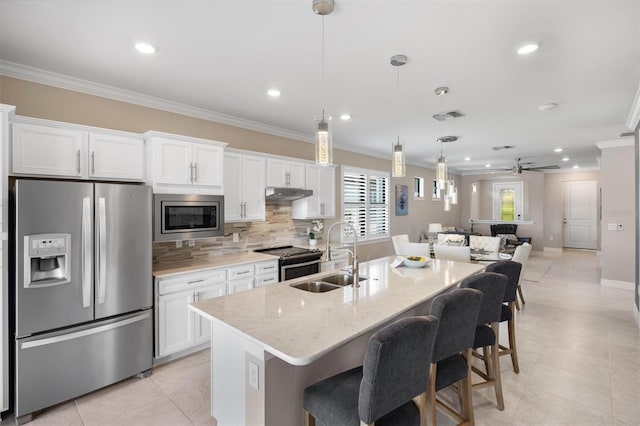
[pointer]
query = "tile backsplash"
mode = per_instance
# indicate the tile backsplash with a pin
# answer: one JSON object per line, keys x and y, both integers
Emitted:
{"x": 277, "y": 230}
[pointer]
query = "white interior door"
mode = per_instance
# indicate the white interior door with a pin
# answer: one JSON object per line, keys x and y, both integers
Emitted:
{"x": 580, "y": 214}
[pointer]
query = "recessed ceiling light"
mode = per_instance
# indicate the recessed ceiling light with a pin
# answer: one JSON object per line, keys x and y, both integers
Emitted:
{"x": 557, "y": 150}
{"x": 467, "y": 158}
{"x": 547, "y": 107}
{"x": 487, "y": 165}
{"x": 528, "y": 48}
{"x": 274, "y": 93}
{"x": 565, "y": 158}
{"x": 146, "y": 48}
{"x": 345, "y": 117}
{"x": 576, "y": 167}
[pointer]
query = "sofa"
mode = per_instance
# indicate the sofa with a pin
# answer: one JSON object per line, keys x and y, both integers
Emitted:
{"x": 508, "y": 232}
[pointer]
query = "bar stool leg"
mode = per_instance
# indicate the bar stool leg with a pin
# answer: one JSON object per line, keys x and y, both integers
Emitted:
{"x": 495, "y": 367}
{"x": 511, "y": 326}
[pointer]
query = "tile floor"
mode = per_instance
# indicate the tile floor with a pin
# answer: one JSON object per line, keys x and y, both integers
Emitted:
{"x": 578, "y": 345}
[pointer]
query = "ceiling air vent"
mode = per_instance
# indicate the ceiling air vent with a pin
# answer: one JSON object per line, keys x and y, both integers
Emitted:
{"x": 446, "y": 139}
{"x": 500, "y": 148}
{"x": 447, "y": 115}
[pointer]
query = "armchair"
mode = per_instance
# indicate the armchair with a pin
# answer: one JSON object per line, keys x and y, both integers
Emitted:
{"x": 508, "y": 231}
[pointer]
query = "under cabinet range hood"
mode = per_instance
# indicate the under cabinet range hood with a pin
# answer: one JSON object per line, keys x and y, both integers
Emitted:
{"x": 278, "y": 194}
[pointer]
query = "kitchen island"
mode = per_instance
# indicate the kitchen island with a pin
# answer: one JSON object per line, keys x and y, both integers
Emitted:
{"x": 269, "y": 343}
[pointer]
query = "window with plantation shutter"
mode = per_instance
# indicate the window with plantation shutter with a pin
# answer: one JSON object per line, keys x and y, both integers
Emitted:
{"x": 365, "y": 203}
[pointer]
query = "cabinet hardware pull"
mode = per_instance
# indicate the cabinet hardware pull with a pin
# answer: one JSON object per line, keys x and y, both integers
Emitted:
{"x": 243, "y": 272}
{"x": 93, "y": 162}
{"x": 195, "y": 172}
{"x": 78, "y": 161}
{"x": 195, "y": 281}
{"x": 268, "y": 267}
{"x": 191, "y": 172}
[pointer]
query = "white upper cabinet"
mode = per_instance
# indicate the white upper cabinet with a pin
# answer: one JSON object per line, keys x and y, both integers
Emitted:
{"x": 113, "y": 156}
{"x": 182, "y": 164}
{"x": 284, "y": 173}
{"x": 321, "y": 205}
{"x": 244, "y": 177}
{"x": 53, "y": 150}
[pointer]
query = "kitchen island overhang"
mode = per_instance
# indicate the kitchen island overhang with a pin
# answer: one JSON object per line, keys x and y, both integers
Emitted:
{"x": 269, "y": 343}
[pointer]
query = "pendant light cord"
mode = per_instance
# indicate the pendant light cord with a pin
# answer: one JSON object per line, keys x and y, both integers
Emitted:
{"x": 323, "y": 99}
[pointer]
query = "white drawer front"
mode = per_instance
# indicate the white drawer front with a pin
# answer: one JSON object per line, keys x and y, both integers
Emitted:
{"x": 241, "y": 271}
{"x": 268, "y": 267}
{"x": 187, "y": 281}
{"x": 266, "y": 280}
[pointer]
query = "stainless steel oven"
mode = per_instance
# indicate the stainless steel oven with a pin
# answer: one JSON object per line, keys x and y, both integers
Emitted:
{"x": 187, "y": 216}
{"x": 294, "y": 262}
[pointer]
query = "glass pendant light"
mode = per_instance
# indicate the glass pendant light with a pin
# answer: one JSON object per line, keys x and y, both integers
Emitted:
{"x": 323, "y": 139}
{"x": 398, "y": 167}
{"x": 441, "y": 169}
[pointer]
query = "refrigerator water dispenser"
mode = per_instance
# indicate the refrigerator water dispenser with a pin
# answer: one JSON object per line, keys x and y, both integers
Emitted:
{"x": 48, "y": 260}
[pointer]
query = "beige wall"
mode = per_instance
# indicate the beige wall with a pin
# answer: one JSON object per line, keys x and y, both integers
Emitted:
{"x": 42, "y": 101}
{"x": 618, "y": 207}
{"x": 553, "y": 204}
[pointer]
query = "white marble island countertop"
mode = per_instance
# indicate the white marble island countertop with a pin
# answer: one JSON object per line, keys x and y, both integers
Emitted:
{"x": 299, "y": 327}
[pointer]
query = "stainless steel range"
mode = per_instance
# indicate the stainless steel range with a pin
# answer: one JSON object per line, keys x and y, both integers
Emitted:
{"x": 295, "y": 262}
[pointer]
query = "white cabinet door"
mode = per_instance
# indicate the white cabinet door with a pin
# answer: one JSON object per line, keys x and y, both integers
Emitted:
{"x": 327, "y": 192}
{"x": 43, "y": 150}
{"x": 233, "y": 185}
{"x": 116, "y": 157}
{"x": 242, "y": 284}
{"x": 253, "y": 186}
{"x": 285, "y": 173}
{"x": 321, "y": 205}
{"x": 296, "y": 175}
{"x": 175, "y": 323}
{"x": 207, "y": 165}
{"x": 203, "y": 325}
{"x": 276, "y": 172}
{"x": 172, "y": 161}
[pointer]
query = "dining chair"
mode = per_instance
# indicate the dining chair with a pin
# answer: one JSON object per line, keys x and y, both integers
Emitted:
{"x": 512, "y": 270}
{"x": 414, "y": 249}
{"x": 521, "y": 255}
{"x": 492, "y": 286}
{"x": 388, "y": 389}
{"x": 446, "y": 239}
{"x": 457, "y": 315}
{"x": 479, "y": 242}
{"x": 398, "y": 240}
{"x": 458, "y": 254}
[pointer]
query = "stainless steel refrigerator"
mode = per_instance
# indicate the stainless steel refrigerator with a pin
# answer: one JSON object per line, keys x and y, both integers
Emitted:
{"x": 83, "y": 288}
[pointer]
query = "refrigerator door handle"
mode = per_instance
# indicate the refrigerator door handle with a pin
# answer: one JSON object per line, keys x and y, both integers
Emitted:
{"x": 102, "y": 250}
{"x": 86, "y": 252}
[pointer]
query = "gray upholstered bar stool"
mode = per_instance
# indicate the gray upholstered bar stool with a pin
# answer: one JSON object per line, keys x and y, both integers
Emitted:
{"x": 492, "y": 286}
{"x": 512, "y": 270}
{"x": 381, "y": 392}
{"x": 457, "y": 314}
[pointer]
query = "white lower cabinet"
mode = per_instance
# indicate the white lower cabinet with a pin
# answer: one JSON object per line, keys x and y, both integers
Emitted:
{"x": 178, "y": 329}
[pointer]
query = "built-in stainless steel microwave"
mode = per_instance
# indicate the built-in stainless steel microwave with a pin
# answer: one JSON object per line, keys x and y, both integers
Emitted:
{"x": 187, "y": 216}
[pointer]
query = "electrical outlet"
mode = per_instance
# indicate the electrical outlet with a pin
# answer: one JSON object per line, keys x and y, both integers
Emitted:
{"x": 178, "y": 244}
{"x": 236, "y": 237}
{"x": 253, "y": 376}
{"x": 612, "y": 226}
{"x": 620, "y": 227}
{"x": 192, "y": 243}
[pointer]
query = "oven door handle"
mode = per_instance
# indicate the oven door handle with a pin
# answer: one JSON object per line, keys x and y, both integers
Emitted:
{"x": 283, "y": 268}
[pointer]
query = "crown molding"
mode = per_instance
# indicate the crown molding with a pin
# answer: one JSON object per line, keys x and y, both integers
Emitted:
{"x": 634, "y": 115}
{"x": 616, "y": 143}
{"x": 36, "y": 75}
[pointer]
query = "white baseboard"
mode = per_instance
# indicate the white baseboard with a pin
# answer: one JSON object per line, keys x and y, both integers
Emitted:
{"x": 637, "y": 312}
{"x": 552, "y": 250}
{"x": 623, "y": 285}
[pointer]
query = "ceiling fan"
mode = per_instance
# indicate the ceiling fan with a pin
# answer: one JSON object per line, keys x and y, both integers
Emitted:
{"x": 520, "y": 166}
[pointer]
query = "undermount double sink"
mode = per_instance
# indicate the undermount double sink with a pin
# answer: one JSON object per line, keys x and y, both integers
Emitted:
{"x": 324, "y": 284}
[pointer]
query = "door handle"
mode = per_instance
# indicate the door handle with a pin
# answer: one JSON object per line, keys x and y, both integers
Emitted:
{"x": 102, "y": 250}
{"x": 86, "y": 252}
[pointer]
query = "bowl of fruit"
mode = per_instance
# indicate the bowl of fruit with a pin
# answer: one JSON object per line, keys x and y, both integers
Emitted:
{"x": 416, "y": 261}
